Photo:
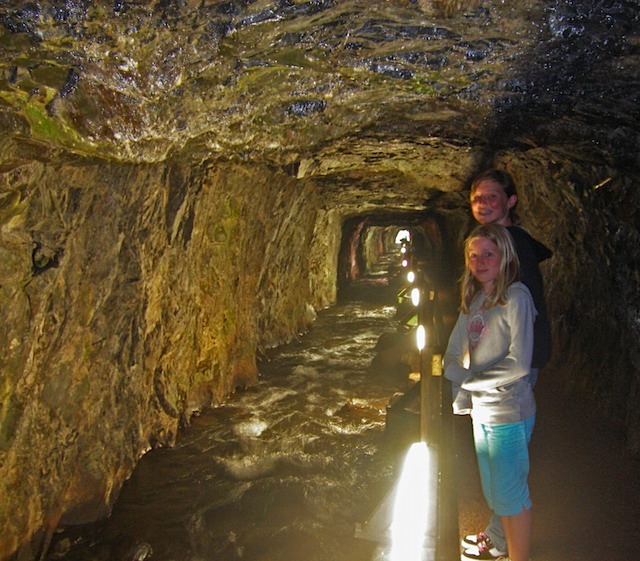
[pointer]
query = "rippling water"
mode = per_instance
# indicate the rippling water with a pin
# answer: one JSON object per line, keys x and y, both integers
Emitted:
{"x": 281, "y": 472}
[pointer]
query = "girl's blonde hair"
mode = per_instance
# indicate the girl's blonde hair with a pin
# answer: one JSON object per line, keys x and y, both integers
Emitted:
{"x": 509, "y": 267}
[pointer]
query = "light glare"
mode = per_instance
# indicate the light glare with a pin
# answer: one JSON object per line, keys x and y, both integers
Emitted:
{"x": 413, "y": 503}
{"x": 415, "y": 296}
{"x": 421, "y": 337}
{"x": 403, "y": 235}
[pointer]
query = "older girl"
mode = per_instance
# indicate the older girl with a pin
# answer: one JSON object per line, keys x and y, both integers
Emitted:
{"x": 488, "y": 360}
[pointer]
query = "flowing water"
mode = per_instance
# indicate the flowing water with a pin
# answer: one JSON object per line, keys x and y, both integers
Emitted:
{"x": 283, "y": 471}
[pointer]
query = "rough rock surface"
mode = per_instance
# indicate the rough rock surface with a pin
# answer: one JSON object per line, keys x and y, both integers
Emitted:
{"x": 175, "y": 177}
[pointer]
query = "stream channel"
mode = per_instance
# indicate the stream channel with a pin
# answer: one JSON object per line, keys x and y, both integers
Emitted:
{"x": 283, "y": 471}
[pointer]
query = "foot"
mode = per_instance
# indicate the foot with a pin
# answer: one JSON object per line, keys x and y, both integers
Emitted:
{"x": 483, "y": 550}
{"x": 472, "y": 540}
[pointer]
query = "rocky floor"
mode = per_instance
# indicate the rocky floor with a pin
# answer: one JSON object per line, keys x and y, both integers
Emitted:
{"x": 585, "y": 487}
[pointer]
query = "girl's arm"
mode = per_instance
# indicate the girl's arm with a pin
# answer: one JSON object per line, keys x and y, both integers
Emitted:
{"x": 457, "y": 348}
{"x": 454, "y": 368}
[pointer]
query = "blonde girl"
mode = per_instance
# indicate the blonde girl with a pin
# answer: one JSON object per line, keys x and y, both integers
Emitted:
{"x": 488, "y": 359}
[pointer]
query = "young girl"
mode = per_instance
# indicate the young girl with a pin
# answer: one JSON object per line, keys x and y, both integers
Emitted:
{"x": 493, "y": 201}
{"x": 488, "y": 360}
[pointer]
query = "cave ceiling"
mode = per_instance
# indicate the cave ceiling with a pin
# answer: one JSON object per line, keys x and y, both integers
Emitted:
{"x": 379, "y": 102}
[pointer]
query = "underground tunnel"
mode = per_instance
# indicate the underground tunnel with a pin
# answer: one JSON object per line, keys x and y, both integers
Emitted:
{"x": 188, "y": 187}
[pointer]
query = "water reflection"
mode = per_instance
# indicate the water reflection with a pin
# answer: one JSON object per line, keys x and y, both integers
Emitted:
{"x": 282, "y": 472}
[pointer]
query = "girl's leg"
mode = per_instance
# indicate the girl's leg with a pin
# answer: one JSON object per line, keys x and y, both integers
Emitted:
{"x": 495, "y": 531}
{"x": 482, "y": 435}
{"x": 503, "y": 458}
{"x": 518, "y": 530}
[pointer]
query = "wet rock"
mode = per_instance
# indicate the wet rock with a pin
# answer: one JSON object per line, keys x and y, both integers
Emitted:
{"x": 307, "y": 107}
{"x": 176, "y": 180}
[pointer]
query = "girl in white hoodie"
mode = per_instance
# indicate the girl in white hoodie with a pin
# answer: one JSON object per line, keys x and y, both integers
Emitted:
{"x": 488, "y": 360}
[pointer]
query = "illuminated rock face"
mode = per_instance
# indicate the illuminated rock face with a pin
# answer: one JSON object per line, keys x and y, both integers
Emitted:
{"x": 176, "y": 176}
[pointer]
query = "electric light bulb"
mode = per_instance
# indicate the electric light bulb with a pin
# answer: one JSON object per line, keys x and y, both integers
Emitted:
{"x": 421, "y": 337}
{"x": 415, "y": 297}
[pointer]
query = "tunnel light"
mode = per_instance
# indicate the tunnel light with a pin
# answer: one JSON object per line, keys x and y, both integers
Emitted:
{"x": 403, "y": 249}
{"x": 421, "y": 337}
{"x": 415, "y": 297}
{"x": 405, "y": 262}
{"x": 402, "y": 236}
{"x": 413, "y": 511}
{"x": 411, "y": 276}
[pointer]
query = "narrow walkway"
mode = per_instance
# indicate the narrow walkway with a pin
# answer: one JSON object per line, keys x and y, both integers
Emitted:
{"x": 585, "y": 486}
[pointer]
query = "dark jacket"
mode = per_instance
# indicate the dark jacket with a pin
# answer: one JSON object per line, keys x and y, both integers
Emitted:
{"x": 530, "y": 253}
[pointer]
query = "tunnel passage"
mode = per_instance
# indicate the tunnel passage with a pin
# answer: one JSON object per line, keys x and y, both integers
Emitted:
{"x": 366, "y": 239}
{"x": 140, "y": 140}
{"x": 370, "y": 253}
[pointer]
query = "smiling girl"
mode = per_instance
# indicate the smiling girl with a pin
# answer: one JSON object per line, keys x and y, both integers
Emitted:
{"x": 495, "y": 331}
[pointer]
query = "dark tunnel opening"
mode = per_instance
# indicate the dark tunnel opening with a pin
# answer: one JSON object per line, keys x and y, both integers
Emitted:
{"x": 370, "y": 250}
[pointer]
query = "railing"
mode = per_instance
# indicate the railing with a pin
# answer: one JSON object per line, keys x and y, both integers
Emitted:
{"x": 431, "y": 494}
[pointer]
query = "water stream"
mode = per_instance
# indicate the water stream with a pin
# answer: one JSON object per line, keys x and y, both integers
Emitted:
{"x": 283, "y": 471}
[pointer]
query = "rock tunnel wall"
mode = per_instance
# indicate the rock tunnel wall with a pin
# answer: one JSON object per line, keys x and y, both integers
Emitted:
{"x": 133, "y": 296}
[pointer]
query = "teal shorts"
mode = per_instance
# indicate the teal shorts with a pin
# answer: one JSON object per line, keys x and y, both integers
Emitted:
{"x": 503, "y": 459}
